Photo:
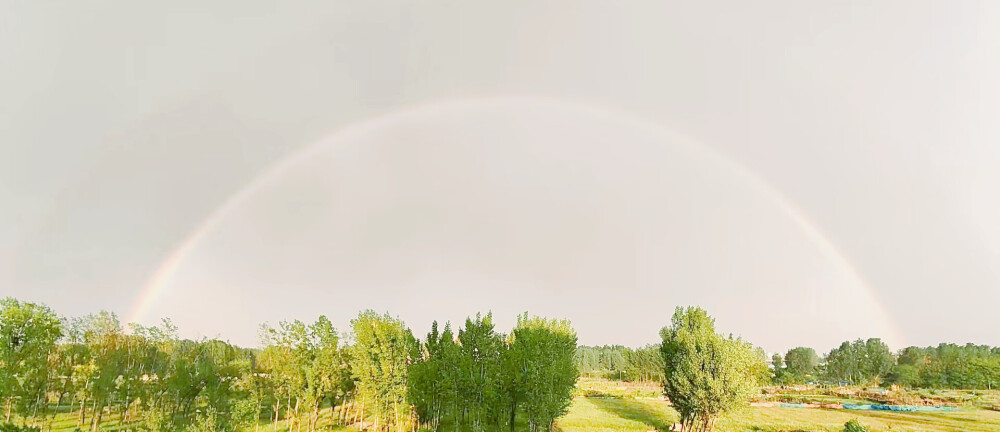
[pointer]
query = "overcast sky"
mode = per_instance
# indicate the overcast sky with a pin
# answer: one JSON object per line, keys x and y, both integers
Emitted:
{"x": 809, "y": 172}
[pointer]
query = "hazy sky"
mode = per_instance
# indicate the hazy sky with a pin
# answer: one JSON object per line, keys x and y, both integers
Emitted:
{"x": 809, "y": 172}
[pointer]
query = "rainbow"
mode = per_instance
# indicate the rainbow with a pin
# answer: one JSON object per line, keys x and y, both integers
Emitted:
{"x": 162, "y": 276}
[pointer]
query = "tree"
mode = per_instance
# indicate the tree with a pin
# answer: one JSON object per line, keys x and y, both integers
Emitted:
{"x": 877, "y": 360}
{"x": 947, "y": 366}
{"x": 801, "y": 365}
{"x": 325, "y": 376}
{"x": 426, "y": 378}
{"x": 379, "y": 359}
{"x": 105, "y": 340}
{"x": 904, "y": 375}
{"x": 28, "y": 336}
{"x": 620, "y": 363}
{"x": 778, "y": 368}
{"x": 860, "y": 361}
{"x": 540, "y": 370}
{"x": 706, "y": 374}
{"x": 480, "y": 347}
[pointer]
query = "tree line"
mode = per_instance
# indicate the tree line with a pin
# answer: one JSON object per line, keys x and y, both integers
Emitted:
{"x": 377, "y": 375}
{"x": 620, "y": 363}
{"x": 872, "y": 362}
{"x": 858, "y": 362}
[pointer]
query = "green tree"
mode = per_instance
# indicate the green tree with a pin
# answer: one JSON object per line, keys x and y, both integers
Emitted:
{"x": 379, "y": 359}
{"x": 326, "y": 375}
{"x": 540, "y": 370}
{"x": 778, "y": 368}
{"x": 480, "y": 347}
{"x": 860, "y": 361}
{"x": 706, "y": 374}
{"x": 426, "y": 379}
{"x": 28, "y": 336}
{"x": 801, "y": 365}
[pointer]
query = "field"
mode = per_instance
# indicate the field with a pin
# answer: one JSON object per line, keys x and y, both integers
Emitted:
{"x": 635, "y": 407}
{"x": 610, "y": 406}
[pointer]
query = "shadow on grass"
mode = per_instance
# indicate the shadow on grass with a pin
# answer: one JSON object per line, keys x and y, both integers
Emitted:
{"x": 634, "y": 410}
{"x": 921, "y": 418}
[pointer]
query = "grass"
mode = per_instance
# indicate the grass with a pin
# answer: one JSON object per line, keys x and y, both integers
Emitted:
{"x": 613, "y": 414}
{"x": 612, "y": 408}
{"x": 642, "y": 415}
{"x": 598, "y": 387}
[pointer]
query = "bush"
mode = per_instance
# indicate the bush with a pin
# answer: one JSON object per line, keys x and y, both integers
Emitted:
{"x": 855, "y": 426}
{"x": 10, "y": 427}
{"x": 156, "y": 419}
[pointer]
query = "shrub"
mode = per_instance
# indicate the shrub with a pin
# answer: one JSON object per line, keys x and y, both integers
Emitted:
{"x": 10, "y": 427}
{"x": 855, "y": 426}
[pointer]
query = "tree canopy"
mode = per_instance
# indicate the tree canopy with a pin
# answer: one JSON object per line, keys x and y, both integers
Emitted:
{"x": 706, "y": 373}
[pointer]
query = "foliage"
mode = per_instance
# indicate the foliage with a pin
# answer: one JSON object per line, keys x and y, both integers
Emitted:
{"x": 28, "y": 335}
{"x": 207, "y": 420}
{"x": 9, "y": 427}
{"x": 706, "y": 374}
{"x": 854, "y": 426}
{"x": 948, "y": 366}
{"x": 379, "y": 360}
{"x": 860, "y": 362}
{"x": 100, "y": 374}
{"x": 620, "y": 363}
{"x": 304, "y": 364}
{"x": 481, "y": 380}
{"x": 540, "y": 370}
{"x": 801, "y": 365}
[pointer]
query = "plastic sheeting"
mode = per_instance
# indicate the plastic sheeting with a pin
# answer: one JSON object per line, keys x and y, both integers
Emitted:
{"x": 898, "y": 408}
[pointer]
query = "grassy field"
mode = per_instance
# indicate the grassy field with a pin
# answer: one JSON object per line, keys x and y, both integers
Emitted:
{"x": 628, "y": 407}
{"x": 641, "y": 415}
{"x": 610, "y": 406}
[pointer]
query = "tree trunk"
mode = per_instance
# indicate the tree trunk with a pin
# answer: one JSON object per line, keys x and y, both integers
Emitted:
{"x": 98, "y": 414}
{"x": 395, "y": 410}
{"x": 315, "y": 417}
{"x": 364, "y": 402}
{"x": 513, "y": 412}
{"x": 277, "y": 409}
{"x": 82, "y": 419}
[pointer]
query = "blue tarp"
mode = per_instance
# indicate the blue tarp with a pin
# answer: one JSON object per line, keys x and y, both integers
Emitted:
{"x": 899, "y": 408}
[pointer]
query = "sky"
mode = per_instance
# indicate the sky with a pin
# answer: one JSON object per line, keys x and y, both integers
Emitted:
{"x": 808, "y": 172}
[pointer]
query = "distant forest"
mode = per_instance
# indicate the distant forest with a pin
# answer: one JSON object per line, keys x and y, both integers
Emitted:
{"x": 859, "y": 362}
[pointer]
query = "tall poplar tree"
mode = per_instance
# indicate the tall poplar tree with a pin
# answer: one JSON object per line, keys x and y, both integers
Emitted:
{"x": 540, "y": 370}
{"x": 380, "y": 358}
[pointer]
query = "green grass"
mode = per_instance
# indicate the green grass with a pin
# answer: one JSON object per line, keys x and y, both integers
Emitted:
{"x": 642, "y": 415}
{"x": 611, "y": 406}
{"x": 618, "y": 414}
{"x": 599, "y": 387}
